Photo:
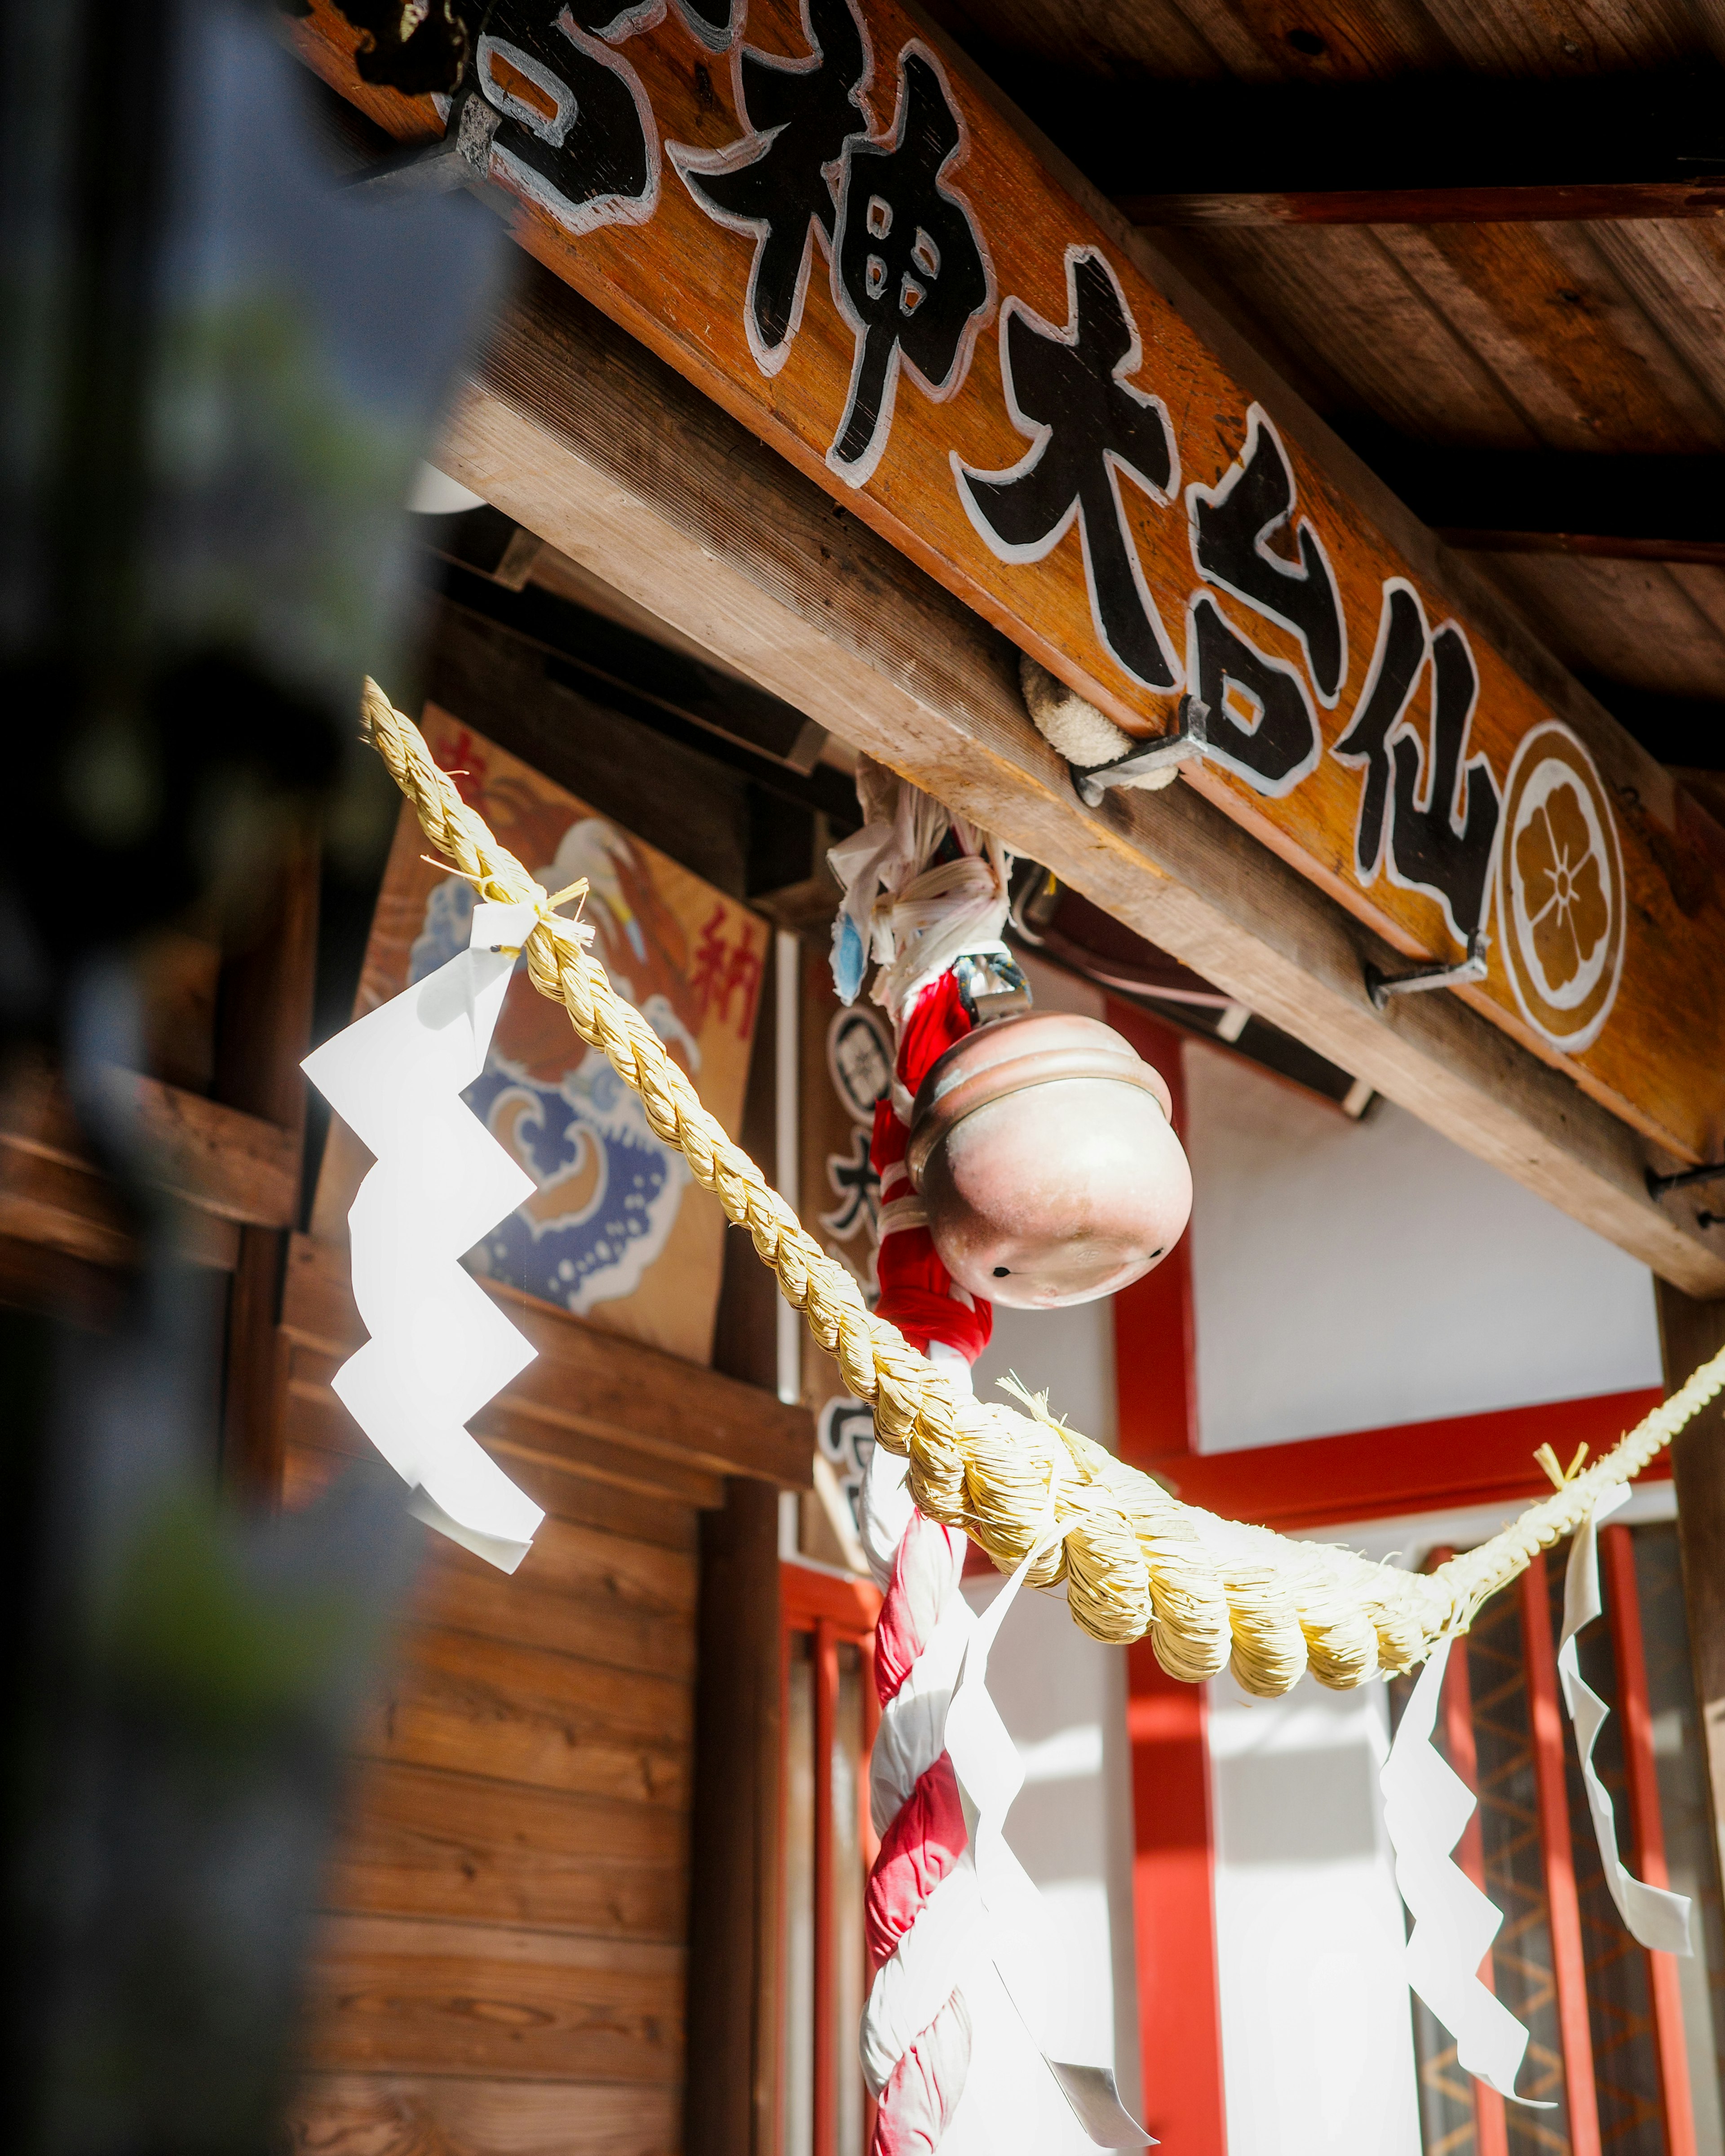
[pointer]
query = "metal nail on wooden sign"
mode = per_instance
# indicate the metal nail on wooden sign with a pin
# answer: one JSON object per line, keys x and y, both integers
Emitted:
{"x": 840, "y": 238}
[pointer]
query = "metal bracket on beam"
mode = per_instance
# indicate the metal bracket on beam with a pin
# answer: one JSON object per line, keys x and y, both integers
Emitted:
{"x": 1657, "y": 1185}
{"x": 1147, "y": 763}
{"x": 1380, "y": 986}
{"x": 460, "y": 158}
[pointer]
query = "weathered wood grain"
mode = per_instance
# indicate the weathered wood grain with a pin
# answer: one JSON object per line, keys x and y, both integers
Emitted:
{"x": 526, "y": 1714}
{"x": 434, "y": 2114}
{"x": 1620, "y": 202}
{"x": 628, "y": 471}
{"x": 584, "y": 1604}
{"x": 420, "y": 1843}
{"x": 407, "y": 1992}
{"x": 596, "y": 1384}
{"x": 308, "y": 1470}
{"x": 538, "y": 1451}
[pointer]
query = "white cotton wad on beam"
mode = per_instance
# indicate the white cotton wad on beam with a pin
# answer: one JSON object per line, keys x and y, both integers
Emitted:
{"x": 440, "y": 1347}
{"x": 1426, "y": 1805}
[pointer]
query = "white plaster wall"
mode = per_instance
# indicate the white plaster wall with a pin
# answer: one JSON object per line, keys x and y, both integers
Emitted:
{"x": 1062, "y": 1696}
{"x": 1317, "y": 2044}
{"x": 1349, "y": 1275}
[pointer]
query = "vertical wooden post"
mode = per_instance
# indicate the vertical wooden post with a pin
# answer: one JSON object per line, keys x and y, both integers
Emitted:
{"x": 1491, "y": 2125}
{"x": 826, "y": 1716}
{"x": 1174, "y": 1831}
{"x": 734, "y": 1948}
{"x": 263, "y": 1029}
{"x": 1623, "y": 1612}
{"x": 1545, "y": 1720}
{"x": 1689, "y": 1333}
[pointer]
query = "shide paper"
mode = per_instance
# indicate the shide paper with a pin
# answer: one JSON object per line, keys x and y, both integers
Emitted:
{"x": 440, "y": 1347}
{"x": 1656, "y": 1917}
{"x": 1426, "y": 1805}
{"x": 990, "y": 1775}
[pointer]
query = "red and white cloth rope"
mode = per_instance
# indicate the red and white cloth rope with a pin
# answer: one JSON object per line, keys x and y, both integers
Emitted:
{"x": 922, "y": 890}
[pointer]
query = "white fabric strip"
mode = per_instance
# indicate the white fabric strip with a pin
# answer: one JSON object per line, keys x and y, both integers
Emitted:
{"x": 1426, "y": 1805}
{"x": 1656, "y": 1917}
{"x": 440, "y": 1347}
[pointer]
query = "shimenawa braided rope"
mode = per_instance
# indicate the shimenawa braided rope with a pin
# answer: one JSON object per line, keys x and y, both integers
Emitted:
{"x": 1133, "y": 1558}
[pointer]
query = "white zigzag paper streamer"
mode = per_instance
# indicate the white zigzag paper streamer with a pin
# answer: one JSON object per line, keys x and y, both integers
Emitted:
{"x": 990, "y": 1775}
{"x": 440, "y": 1347}
{"x": 1656, "y": 1917}
{"x": 1426, "y": 1805}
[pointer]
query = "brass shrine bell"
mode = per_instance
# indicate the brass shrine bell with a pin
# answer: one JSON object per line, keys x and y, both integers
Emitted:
{"x": 1043, "y": 1150}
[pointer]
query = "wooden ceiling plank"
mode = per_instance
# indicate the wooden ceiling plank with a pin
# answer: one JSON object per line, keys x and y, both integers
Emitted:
{"x": 1616, "y": 202}
{"x": 1342, "y": 296}
{"x": 1704, "y": 588}
{"x": 1507, "y": 37}
{"x": 1626, "y": 621}
{"x": 1554, "y": 327}
{"x": 584, "y": 437}
{"x": 1676, "y": 275}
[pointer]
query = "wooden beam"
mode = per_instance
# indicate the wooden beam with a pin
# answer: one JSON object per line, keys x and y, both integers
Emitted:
{"x": 1004, "y": 287}
{"x": 585, "y": 437}
{"x": 1614, "y": 202}
{"x": 1453, "y": 1463}
{"x": 1615, "y": 507}
{"x": 1423, "y": 148}
{"x": 593, "y": 1381}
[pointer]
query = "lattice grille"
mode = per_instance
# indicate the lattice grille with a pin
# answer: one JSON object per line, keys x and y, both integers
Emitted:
{"x": 1515, "y": 1870}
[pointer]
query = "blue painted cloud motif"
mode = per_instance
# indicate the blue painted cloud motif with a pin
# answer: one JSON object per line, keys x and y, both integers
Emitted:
{"x": 608, "y": 1189}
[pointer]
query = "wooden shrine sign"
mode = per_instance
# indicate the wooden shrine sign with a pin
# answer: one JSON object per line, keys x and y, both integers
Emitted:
{"x": 835, "y": 234}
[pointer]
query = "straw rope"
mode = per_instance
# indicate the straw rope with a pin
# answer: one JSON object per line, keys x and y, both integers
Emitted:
{"x": 1209, "y": 1592}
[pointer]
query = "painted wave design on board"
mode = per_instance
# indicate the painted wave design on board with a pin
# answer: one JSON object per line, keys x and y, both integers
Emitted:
{"x": 609, "y": 1190}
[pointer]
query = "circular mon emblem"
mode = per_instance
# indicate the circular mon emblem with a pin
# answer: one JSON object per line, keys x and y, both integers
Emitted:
{"x": 1562, "y": 895}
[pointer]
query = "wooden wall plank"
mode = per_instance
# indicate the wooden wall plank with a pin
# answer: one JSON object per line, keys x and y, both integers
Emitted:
{"x": 346, "y": 2114}
{"x": 604, "y": 1506}
{"x": 424, "y": 1843}
{"x": 574, "y": 429}
{"x": 316, "y": 1417}
{"x": 404, "y": 1992}
{"x": 603, "y": 1613}
{"x": 528, "y": 1715}
{"x": 585, "y": 1380}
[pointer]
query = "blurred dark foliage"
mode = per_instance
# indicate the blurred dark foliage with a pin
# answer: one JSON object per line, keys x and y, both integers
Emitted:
{"x": 216, "y": 373}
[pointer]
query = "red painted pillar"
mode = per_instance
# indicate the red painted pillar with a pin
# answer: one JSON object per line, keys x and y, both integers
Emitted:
{"x": 1545, "y": 1717}
{"x": 1623, "y": 1611}
{"x": 1173, "y": 1868}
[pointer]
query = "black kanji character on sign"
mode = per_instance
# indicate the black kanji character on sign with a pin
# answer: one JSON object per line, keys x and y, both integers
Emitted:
{"x": 1232, "y": 524}
{"x": 578, "y": 135}
{"x": 1258, "y": 721}
{"x": 777, "y": 182}
{"x": 909, "y": 272}
{"x": 1067, "y": 389}
{"x": 856, "y": 1185}
{"x": 1432, "y": 809}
